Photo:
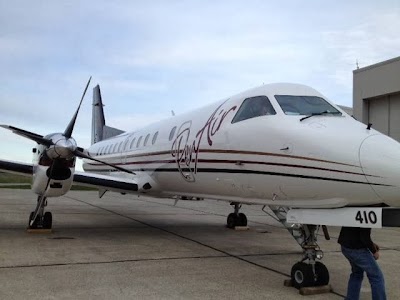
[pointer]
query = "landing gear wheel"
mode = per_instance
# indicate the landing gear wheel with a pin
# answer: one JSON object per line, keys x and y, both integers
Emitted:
{"x": 232, "y": 220}
{"x": 47, "y": 220}
{"x": 302, "y": 275}
{"x": 35, "y": 223}
{"x": 322, "y": 274}
{"x": 242, "y": 220}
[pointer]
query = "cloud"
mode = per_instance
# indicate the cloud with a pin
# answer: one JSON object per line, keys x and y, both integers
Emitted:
{"x": 373, "y": 41}
{"x": 151, "y": 58}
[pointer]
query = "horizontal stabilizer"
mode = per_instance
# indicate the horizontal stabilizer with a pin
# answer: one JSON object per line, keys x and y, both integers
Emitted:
{"x": 109, "y": 132}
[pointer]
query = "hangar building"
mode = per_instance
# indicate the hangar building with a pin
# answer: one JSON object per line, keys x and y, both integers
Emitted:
{"x": 376, "y": 96}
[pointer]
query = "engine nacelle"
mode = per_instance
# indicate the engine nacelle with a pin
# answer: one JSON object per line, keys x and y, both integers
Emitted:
{"x": 55, "y": 174}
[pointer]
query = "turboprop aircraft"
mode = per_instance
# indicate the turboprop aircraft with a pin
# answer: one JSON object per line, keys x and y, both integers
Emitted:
{"x": 279, "y": 145}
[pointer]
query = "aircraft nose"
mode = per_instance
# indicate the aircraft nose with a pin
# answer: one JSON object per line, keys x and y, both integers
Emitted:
{"x": 380, "y": 161}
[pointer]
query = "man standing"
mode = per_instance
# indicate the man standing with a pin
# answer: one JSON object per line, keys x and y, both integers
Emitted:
{"x": 362, "y": 254}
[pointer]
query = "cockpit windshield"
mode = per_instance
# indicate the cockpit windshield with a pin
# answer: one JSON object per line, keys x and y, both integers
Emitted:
{"x": 305, "y": 105}
{"x": 254, "y": 107}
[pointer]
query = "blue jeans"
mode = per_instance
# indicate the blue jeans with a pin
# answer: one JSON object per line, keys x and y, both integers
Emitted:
{"x": 362, "y": 260}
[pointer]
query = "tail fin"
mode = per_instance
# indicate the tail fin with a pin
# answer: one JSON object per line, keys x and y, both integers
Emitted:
{"x": 99, "y": 129}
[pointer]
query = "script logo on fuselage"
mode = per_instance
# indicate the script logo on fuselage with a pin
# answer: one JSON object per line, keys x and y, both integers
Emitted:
{"x": 186, "y": 152}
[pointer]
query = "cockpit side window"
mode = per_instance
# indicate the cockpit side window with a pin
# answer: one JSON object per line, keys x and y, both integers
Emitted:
{"x": 254, "y": 107}
{"x": 305, "y": 105}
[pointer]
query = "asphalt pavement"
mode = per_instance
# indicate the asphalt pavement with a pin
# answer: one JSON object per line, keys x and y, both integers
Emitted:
{"x": 129, "y": 247}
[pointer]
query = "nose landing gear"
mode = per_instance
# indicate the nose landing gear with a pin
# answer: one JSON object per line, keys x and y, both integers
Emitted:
{"x": 308, "y": 272}
{"x": 39, "y": 219}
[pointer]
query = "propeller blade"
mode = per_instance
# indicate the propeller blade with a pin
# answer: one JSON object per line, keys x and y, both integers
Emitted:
{"x": 81, "y": 154}
{"x": 70, "y": 127}
{"x": 29, "y": 135}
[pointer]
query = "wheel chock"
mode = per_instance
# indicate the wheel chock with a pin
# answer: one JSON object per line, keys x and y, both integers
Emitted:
{"x": 39, "y": 230}
{"x": 312, "y": 290}
{"x": 288, "y": 283}
{"x": 315, "y": 290}
{"x": 242, "y": 228}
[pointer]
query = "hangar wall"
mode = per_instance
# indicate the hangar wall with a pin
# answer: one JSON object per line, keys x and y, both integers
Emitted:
{"x": 376, "y": 96}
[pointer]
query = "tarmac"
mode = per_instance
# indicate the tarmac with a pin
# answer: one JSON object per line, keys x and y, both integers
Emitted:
{"x": 129, "y": 247}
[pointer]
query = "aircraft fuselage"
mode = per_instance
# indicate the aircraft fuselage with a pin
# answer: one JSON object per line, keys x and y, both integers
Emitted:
{"x": 327, "y": 160}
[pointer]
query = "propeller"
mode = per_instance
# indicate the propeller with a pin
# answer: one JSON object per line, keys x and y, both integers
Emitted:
{"x": 71, "y": 125}
{"x": 62, "y": 145}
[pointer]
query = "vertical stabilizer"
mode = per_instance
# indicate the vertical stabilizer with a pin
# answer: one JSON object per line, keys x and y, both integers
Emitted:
{"x": 99, "y": 129}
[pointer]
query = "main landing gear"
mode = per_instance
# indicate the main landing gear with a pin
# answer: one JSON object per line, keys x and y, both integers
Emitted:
{"x": 236, "y": 219}
{"x": 307, "y": 272}
{"x": 39, "y": 219}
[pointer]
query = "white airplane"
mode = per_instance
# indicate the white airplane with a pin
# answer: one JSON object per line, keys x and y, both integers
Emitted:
{"x": 279, "y": 145}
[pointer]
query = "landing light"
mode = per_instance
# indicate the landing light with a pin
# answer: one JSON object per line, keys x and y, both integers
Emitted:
{"x": 319, "y": 254}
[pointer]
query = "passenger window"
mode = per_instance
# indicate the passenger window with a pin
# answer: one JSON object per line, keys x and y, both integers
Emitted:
{"x": 254, "y": 107}
{"x": 120, "y": 147}
{"x": 138, "y": 142}
{"x": 154, "y": 138}
{"x": 125, "y": 144}
{"x": 172, "y": 133}
{"x": 132, "y": 143}
{"x": 146, "y": 139}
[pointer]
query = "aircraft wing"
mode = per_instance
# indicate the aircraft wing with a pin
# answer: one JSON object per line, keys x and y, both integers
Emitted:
{"x": 16, "y": 167}
{"x": 103, "y": 182}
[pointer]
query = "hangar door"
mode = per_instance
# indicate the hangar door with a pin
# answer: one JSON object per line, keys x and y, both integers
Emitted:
{"x": 384, "y": 114}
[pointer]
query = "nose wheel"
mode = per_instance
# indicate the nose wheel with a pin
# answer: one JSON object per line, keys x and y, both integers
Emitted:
{"x": 39, "y": 219}
{"x": 306, "y": 275}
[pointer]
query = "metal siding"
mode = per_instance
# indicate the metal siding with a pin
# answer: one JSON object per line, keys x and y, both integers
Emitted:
{"x": 394, "y": 117}
{"x": 372, "y": 82}
{"x": 378, "y": 114}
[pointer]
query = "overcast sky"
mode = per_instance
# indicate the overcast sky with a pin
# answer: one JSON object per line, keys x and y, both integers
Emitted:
{"x": 151, "y": 57}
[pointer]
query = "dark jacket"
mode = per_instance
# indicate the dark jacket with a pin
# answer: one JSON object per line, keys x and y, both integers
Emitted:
{"x": 356, "y": 238}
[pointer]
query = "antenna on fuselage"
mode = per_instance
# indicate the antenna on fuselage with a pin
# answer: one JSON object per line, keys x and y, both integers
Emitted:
{"x": 173, "y": 113}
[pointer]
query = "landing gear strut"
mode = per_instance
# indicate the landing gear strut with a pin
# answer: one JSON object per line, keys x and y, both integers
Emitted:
{"x": 236, "y": 219}
{"x": 308, "y": 272}
{"x": 39, "y": 218}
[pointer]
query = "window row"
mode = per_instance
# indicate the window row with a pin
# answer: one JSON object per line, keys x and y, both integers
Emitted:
{"x": 129, "y": 144}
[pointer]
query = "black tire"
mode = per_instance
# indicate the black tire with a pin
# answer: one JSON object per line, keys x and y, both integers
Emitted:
{"x": 47, "y": 220}
{"x": 232, "y": 220}
{"x": 242, "y": 220}
{"x": 35, "y": 223}
{"x": 302, "y": 275}
{"x": 322, "y": 274}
